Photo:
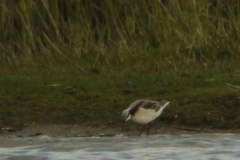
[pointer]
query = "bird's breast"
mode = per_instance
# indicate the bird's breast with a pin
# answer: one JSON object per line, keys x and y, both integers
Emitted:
{"x": 144, "y": 116}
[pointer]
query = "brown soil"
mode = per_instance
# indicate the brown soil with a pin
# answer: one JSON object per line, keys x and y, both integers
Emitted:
{"x": 104, "y": 131}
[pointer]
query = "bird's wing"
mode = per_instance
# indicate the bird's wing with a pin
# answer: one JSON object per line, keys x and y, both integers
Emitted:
{"x": 155, "y": 105}
{"x": 150, "y": 105}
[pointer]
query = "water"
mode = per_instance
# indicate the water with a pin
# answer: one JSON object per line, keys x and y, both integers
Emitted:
{"x": 181, "y": 147}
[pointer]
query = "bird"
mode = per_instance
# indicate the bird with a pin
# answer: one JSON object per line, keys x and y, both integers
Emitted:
{"x": 144, "y": 112}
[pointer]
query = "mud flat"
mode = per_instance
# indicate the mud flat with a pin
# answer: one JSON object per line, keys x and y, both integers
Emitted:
{"x": 39, "y": 134}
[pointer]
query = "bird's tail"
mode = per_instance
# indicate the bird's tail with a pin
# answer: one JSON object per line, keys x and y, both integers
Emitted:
{"x": 162, "y": 105}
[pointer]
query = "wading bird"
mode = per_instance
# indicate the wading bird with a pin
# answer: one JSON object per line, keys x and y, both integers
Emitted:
{"x": 144, "y": 112}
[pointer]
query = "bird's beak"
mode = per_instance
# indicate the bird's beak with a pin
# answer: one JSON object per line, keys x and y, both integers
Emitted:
{"x": 128, "y": 117}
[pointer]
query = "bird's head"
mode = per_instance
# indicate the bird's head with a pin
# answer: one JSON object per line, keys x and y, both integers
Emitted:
{"x": 126, "y": 115}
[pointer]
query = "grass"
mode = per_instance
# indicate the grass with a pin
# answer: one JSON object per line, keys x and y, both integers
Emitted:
{"x": 111, "y": 34}
{"x": 85, "y": 61}
{"x": 98, "y": 99}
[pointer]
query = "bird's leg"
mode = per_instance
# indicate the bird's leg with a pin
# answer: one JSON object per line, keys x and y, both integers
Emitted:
{"x": 123, "y": 125}
{"x": 142, "y": 130}
{"x": 148, "y": 128}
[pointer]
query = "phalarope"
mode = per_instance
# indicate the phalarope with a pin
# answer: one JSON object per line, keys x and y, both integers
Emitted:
{"x": 144, "y": 112}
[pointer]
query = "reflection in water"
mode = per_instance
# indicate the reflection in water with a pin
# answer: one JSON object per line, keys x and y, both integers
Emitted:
{"x": 202, "y": 146}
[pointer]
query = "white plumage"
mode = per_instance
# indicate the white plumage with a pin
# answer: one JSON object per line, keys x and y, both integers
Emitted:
{"x": 144, "y": 111}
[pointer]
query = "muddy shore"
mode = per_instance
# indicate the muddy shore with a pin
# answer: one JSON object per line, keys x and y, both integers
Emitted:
{"x": 64, "y": 130}
{"x": 39, "y": 134}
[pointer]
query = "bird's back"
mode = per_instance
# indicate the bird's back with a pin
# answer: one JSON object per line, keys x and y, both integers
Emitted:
{"x": 145, "y": 111}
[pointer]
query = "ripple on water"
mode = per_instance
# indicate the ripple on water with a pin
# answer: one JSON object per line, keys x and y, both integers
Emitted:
{"x": 202, "y": 146}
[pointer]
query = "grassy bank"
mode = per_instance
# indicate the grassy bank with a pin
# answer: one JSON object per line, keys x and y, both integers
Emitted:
{"x": 83, "y": 62}
{"x": 197, "y": 99}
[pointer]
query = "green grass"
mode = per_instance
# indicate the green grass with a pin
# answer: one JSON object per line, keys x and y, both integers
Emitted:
{"x": 106, "y": 35}
{"x": 85, "y": 61}
{"x": 99, "y": 99}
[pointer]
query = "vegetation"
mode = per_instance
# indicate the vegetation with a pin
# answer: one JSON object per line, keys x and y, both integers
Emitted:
{"x": 84, "y": 61}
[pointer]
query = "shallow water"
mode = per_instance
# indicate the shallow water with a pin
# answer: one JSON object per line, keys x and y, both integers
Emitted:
{"x": 201, "y": 146}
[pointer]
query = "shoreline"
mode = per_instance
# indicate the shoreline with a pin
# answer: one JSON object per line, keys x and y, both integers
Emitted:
{"x": 65, "y": 130}
{"x": 54, "y": 133}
